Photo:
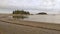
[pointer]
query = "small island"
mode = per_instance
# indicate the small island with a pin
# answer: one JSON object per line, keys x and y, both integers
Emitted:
{"x": 21, "y": 12}
{"x": 42, "y": 13}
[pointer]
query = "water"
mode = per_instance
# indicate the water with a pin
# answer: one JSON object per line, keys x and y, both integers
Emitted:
{"x": 44, "y": 18}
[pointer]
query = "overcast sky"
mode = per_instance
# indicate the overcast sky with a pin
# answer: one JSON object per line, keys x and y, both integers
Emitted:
{"x": 34, "y": 6}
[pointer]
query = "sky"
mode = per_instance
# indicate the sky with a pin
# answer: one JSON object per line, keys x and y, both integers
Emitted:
{"x": 33, "y": 6}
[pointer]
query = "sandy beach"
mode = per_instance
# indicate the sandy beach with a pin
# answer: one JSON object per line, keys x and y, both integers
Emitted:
{"x": 36, "y": 27}
{"x": 32, "y": 23}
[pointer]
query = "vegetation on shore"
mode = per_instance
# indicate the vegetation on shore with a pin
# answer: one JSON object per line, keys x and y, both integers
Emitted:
{"x": 21, "y": 12}
{"x": 42, "y": 13}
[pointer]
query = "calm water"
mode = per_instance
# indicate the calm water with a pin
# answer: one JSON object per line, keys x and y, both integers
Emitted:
{"x": 44, "y": 18}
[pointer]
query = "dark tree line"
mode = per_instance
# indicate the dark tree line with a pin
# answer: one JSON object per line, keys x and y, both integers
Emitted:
{"x": 42, "y": 13}
{"x": 20, "y": 12}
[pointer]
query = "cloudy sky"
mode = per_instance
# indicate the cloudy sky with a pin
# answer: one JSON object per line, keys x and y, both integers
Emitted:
{"x": 33, "y": 6}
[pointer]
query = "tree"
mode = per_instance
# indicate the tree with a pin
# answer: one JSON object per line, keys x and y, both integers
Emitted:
{"x": 42, "y": 13}
{"x": 20, "y": 12}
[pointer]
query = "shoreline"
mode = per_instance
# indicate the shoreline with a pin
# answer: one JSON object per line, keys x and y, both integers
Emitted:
{"x": 33, "y": 24}
{"x": 44, "y": 25}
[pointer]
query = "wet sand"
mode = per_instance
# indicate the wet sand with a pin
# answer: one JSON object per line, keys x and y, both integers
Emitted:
{"x": 12, "y": 26}
{"x": 6, "y": 28}
{"x": 44, "y": 25}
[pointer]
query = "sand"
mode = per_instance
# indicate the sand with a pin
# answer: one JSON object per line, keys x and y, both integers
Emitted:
{"x": 44, "y": 25}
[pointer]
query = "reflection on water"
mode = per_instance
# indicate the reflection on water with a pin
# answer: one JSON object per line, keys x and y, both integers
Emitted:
{"x": 40, "y": 18}
{"x": 44, "y": 18}
{"x": 20, "y": 17}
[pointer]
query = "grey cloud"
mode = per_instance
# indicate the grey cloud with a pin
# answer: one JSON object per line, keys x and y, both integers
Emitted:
{"x": 47, "y": 4}
{"x": 41, "y": 5}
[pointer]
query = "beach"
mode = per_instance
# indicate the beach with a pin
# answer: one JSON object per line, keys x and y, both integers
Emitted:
{"x": 28, "y": 27}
